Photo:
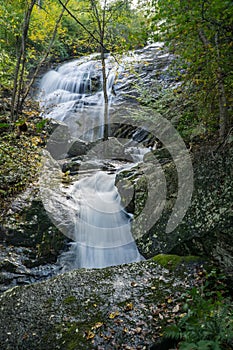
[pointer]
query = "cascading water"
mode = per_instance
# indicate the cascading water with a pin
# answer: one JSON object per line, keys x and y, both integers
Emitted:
{"x": 73, "y": 94}
{"x": 102, "y": 230}
{"x": 102, "y": 227}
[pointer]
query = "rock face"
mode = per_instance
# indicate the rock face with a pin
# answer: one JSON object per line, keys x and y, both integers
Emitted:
{"x": 206, "y": 229}
{"x": 93, "y": 309}
{"x": 28, "y": 242}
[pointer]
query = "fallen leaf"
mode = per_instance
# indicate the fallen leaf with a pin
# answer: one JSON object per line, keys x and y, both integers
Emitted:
{"x": 176, "y": 308}
{"x": 89, "y": 335}
{"x": 97, "y": 325}
{"x": 138, "y": 330}
{"x": 129, "y": 307}
{"x": 114, "y": 314}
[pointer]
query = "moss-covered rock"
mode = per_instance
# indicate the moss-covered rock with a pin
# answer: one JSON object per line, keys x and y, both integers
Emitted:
{"x": 172, "y": 261}
{"x": 91, "y": 309}
{"x": 206, "y": 229}
{"x": 27, "y": 224}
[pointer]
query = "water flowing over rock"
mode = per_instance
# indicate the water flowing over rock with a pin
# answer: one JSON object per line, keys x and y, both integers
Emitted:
{"x": 101, "y": 228}
{"x": 73, "y": 94}
{"x": 207, "y": 227}
{"x": 84, "y": 211}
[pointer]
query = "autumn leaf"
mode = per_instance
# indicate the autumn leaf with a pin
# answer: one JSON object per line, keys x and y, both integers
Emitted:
{"x": 129, "y": 307}
{"x": 114, "y": 314}
{"x": 97, "y": 325}
{"x": 89, "y": 335}
{"x": 176, "y": 308}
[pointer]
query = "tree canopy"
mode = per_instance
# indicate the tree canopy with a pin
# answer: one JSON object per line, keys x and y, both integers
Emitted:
{"x": 200, "y": 33}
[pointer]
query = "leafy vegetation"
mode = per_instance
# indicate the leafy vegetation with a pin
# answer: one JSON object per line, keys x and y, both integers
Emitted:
{"x": 207, "y": 318}
{"x": 19, "y": 155}
{"x": 200, "y": 34}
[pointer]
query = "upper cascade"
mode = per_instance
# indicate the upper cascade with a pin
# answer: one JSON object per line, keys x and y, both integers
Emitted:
{"x": 73, "y": 94}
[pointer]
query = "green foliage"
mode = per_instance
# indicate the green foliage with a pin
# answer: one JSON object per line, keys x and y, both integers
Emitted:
{"x": 19, "y": 158}
{"x": 200, "y": 32}
{"x": 7, "y": 67}
{"x": 207, "y": 322}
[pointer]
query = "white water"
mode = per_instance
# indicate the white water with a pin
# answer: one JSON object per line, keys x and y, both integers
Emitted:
{"x": 73, "y": 94}
{"x": 102, "y": 228}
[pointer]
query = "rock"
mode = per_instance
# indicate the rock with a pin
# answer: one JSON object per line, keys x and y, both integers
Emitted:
{"x": 86, "y": 309}
{"x": 28, "y": 238}
{"x": 59, "y": 141}
{"x": 19, "y": 265}
{"x": 78, "y": 148}
{"x": 206, "y": 229}
{"x": 111, "y": 149}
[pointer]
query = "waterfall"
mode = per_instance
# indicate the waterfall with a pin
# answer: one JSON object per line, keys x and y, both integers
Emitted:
{"x": 73, "y": 94}
{"x": 102, "y": 228}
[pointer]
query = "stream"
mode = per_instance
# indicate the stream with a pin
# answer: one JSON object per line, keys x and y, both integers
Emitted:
{"x": 101, "y": 228}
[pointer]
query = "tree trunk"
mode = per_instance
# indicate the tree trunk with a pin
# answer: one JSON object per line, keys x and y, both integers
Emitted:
{"x": 20, "y": 65}
{"x": 105, "y": 92}
{"x": 43, "y": 59}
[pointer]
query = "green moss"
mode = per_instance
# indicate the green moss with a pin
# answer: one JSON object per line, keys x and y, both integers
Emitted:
{"x": 173, "y": 261}
{"x": 49, "y": 302}
{"x": 69, "y": 300}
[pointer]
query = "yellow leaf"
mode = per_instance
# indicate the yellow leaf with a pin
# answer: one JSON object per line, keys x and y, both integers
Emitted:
{"x": 97, "y": 325}
{"x": 176, "y": 308}
{"x": 90, "y": 335}
{"x": 114, "y": 314}
{"x": 129, "y": 307}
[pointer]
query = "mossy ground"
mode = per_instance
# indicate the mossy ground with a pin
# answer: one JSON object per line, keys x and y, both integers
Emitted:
{"x": 172, "y": 261}
{"x": 20, "y": 152}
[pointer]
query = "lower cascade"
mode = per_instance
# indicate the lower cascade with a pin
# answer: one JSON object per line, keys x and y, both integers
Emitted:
{"x": 102, "y": 228}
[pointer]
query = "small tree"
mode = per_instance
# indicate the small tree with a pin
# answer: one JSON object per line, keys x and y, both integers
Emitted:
{"x": 101, "y": 18}
{"x": 21, "y": 61}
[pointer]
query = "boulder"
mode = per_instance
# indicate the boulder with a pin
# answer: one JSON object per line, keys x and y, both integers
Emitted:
{"x": 78, "y": 148}
{"x": 206, "y": 229}
{"x": 94, "y": 309}
{"x": 28, "y": 241}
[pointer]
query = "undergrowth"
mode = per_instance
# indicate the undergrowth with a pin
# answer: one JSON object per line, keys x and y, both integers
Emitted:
{"x": 207, "y": 319}
{"x": 19, "y": 155}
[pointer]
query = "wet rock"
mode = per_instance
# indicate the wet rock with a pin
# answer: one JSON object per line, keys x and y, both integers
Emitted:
{"x": 59, "y": 140}
{"x": 19, "y": 265}
{"x": 78, "y": 148}
{"x": 28, "y": 238}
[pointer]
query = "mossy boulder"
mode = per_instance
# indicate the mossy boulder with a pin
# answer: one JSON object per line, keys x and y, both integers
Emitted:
{"x": 27, "y": 225}
{"x": 107, "y": 308}
{"x": 206, "y": 229}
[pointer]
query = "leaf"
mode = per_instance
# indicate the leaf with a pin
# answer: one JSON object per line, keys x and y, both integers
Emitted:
{"x": 97, "y": 325}
{"x": 4, "y": 125}
{"x": 176, "y": 308}
{"x": 114, "y": 314}
{"x": 161, "y": 317}
{"x": 129, "y": 307}
{"x": 90, "y": 335}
